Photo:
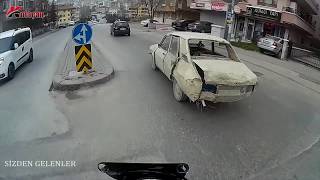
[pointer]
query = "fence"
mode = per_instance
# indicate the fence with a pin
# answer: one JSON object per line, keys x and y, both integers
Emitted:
{"x": 306, "y": 56}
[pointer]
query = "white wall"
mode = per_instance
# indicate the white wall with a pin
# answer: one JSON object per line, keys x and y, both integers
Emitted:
{"x": 215, "y": 17}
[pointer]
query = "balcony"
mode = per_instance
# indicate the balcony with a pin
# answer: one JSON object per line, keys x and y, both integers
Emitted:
{"x": 293, "y": 19}
{"x": 310, "y": 5}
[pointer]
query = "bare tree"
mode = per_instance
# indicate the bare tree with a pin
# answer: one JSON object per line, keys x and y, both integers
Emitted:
{"x": 152, "y": 7}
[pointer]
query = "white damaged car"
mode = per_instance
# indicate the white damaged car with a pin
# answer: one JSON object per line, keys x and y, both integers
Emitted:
{"x": 202, "y": 68}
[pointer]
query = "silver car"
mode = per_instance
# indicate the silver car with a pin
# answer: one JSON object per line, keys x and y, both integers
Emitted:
{"x": 271, "y": 44}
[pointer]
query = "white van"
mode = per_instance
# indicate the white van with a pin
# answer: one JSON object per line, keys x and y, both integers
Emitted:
{"x": 15, "y": 49}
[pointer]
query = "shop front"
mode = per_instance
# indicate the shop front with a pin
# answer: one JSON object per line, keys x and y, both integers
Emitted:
{"x": 258, "y": 22}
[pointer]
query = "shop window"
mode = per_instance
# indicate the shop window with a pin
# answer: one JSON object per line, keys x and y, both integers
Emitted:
{"x": 271, "y": 3}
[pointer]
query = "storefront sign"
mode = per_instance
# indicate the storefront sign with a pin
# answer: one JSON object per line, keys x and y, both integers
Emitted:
{"x": 219, "y": 6}
{"x": 18, "y": 12}
{"x": 263, "y": 13}
{"x": 201, "y": 4}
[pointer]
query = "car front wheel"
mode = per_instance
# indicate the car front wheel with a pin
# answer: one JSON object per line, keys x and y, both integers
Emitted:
{"x": 178, "y": 93}
{"x": 11, "y": 71}
{"x": 153, "y": 63}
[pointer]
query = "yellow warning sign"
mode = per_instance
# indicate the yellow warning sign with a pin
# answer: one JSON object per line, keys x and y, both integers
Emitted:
{"x": 83, "y": 57}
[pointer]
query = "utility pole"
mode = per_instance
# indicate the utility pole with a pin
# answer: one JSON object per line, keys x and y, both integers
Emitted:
{"x": 230, "y": 24}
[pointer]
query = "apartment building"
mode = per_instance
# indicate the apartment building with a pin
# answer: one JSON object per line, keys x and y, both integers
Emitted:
{"x": 170, "y": 10}
{"x": 211, "y": 10}
{"x": 65, "y": 14}
{"x": 288, "y": 19}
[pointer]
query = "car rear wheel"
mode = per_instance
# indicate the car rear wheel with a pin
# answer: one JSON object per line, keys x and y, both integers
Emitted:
{"x": 30, "y": 56}
{"x": 11, "y": 71}
{"x": 178, "y": 93}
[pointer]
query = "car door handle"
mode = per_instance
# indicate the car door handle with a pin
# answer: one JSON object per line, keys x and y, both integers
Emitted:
{"x": 22, "y": 48}
{"x": 164, "y": 53}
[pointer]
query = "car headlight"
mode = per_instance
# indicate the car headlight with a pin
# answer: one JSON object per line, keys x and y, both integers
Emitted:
{"x": 1, "y": 60}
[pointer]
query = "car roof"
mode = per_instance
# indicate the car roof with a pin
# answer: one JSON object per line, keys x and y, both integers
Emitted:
{"x": 7, "y": 34}
{"x": 12, "y": 32}
{"x": 195, "y": 35}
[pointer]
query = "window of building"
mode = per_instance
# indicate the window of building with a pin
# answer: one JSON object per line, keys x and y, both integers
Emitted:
{"x": 272, "y": 3}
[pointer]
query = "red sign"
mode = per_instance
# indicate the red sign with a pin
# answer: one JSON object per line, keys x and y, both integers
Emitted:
{"x": 18, "y": 12}
{"x": 219, "y": 6}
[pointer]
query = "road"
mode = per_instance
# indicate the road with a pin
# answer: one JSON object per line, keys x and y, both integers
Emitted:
{"x": 134, "y": 118}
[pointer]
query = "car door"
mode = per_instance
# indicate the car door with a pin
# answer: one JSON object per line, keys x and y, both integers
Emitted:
{"x": 171, "y": 57}
{"x": 27, "y": 44}
{"x": 161, "y": 52}
{"x": 18, "y": 53}
{"x": 24, "y": 47}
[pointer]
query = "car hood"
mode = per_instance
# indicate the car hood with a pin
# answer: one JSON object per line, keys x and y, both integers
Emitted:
{"x": 226, "y": 72}
{"x": 4, "y": 54}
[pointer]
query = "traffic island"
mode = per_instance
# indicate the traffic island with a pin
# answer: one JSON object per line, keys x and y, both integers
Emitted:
{"x": 67, "y": 78}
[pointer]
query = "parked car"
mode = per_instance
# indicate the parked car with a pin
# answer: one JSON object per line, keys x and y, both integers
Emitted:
{"x": 146, "y": 22}
{"x": 71, "y": 23}
{"x": 202, "y": 68}
{"x": 200, "y": 26}
{"x": 271, "y": 44}
{"x": 182, "y": 25}
{"x": 62, "y": 25}
{"x": 15, "y": 49}
{"x": 120, "y": 28}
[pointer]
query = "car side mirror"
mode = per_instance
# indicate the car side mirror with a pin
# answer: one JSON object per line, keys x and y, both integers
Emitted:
{"x": 15, "y": 45}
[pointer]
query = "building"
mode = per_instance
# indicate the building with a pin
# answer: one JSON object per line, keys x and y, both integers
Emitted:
{"x": 138, "y": 11}
{"x": 211, "y": 10}
{"x": 171, "y": 10}
{"x": 288, "y": 19}
{"x": 65, "y": 14}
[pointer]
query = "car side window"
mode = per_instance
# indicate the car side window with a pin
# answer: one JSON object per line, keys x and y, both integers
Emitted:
{"x": 174, "y": 46}
{"x": 27, "y": 35}
{"x": 165, "y": 43}
{"x": 18, "y": 38}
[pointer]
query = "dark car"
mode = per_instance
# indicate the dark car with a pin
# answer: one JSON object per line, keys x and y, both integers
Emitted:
{"x": 182, "y": 25}
{"x": 120, "y": 28}
{"x": 200, "y": 26}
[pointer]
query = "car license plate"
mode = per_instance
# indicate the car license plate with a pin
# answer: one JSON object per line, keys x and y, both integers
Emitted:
{"x": 229, "y": 92}
{"x": 122, "y": 29}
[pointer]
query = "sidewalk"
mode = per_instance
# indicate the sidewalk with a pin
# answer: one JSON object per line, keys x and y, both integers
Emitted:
{"x": 67, "y": 77}
{"x": 295, "y": 71}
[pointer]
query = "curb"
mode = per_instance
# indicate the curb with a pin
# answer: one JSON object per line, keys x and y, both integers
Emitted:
{"x": 62, "y": 82}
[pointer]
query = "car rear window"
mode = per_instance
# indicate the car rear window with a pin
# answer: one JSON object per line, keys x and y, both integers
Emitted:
{"x": 122, "y": 24}
{"x": 200, "y": 49}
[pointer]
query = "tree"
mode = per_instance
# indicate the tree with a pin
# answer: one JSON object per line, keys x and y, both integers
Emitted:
{"x": 53, "y": 12}
{"x": 152, "y": 7}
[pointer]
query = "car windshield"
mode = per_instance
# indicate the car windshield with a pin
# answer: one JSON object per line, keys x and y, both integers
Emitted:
{"x": 200, "y": 49}
{"x": 273, "y": 38}
{"x": 5, "y": 44}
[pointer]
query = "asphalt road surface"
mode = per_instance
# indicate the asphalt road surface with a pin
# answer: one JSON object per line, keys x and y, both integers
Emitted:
{"x": 134, "y": 118}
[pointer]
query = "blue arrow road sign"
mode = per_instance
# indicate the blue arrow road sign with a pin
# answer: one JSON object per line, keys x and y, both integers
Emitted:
{"x": 82, "y": 34}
